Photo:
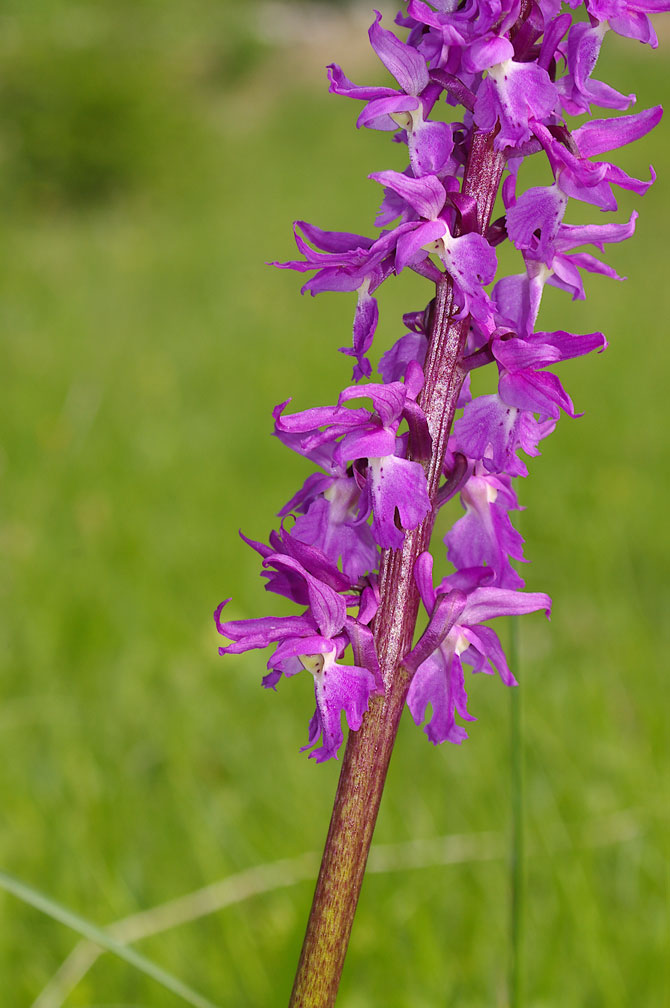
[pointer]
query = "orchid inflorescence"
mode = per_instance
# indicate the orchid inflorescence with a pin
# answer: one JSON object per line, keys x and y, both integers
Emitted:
{"x": 478, "y": 88}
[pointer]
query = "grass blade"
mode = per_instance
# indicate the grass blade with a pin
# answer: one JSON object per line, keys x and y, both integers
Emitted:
{"x": 516, "y": 854}
{"x": 95, "y": 934}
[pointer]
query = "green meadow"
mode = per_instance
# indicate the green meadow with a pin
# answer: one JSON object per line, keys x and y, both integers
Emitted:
{"x": 152, "y": 158}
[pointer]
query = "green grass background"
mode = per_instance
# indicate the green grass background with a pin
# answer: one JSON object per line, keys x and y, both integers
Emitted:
{"x": 152, "y": 157}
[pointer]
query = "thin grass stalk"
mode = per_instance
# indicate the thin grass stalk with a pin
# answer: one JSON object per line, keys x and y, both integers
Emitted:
{"x": 516, "y": 855}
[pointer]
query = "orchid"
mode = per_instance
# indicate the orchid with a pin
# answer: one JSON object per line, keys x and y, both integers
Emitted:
{"x": 476, "y": 89}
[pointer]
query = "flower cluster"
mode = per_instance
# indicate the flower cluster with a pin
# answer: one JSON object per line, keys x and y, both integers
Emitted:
{"x": 509, "y": 71}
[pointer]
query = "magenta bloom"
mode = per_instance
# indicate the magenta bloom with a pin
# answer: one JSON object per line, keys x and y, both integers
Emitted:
{"x": 469, "y": 92}
{"x": 390, "y": 483}
{"x": 454, "y": 636}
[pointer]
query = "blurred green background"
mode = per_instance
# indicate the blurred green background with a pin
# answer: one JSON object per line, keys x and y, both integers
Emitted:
{"x": 152, "y": 157}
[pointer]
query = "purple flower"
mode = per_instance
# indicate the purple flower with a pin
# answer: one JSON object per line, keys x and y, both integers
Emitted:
{"x": 346, "y": 262}
{"x": 454, "y": 635}
{"x": 493, "y": 428}
{"x": 468, "y": 259}
{"x": 392, "y": 484}
{"x": 477, "y": 87}
{"x": 577, "y": 89}
{"x": 628, "y": 19}
{"x": 331, "y": 512}
{"x": 484, "y": 536}
{"x": 338, "y": 689}
{"x": 493, "y": 431}
{"x": 534, "y": 220}
{"x": 313, "y": 641}
{"x": 585, "y": 180}
{"x": 512, "y": 94}
{"x": 430, "y": 143}
{"x": 522, "y": 382}
{"x": 332, "y": 522}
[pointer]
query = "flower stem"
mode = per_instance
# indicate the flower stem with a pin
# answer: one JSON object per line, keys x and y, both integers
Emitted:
{"x": 368, "y": 750}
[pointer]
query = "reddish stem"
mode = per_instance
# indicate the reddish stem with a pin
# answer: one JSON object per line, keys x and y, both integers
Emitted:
{"x": 368, "y": 750}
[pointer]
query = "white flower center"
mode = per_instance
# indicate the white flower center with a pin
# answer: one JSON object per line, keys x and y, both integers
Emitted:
{"x": 410, "y": 121}
{"x": 312, "y": 663}
{"x": 462, "y": 644}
